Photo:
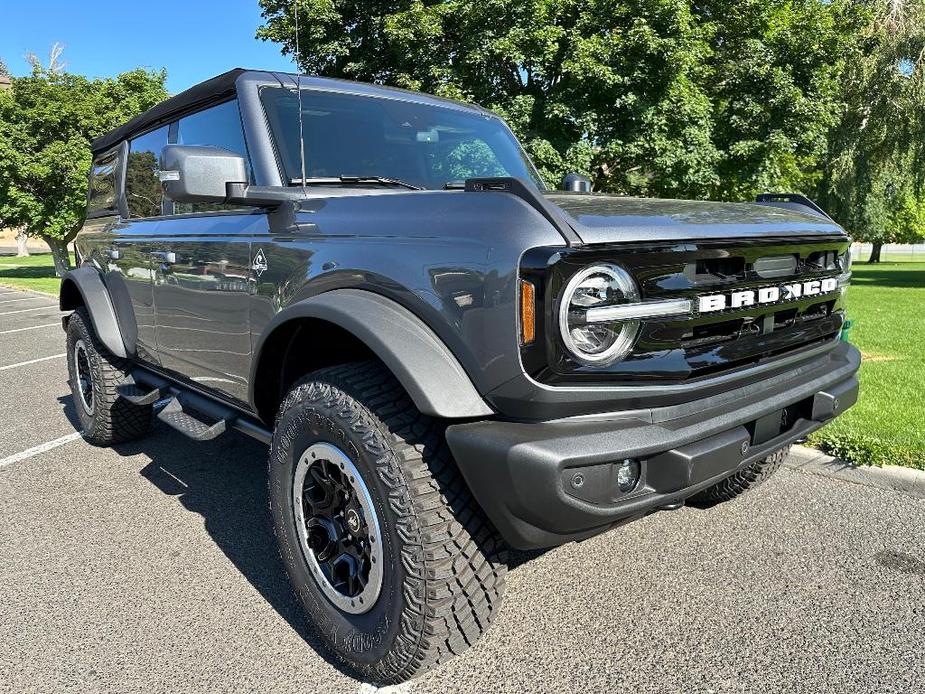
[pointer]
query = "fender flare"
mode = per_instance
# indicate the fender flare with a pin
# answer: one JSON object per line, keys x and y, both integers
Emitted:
{"x": 422, "y": 363}
{"x": 83, "y": 286}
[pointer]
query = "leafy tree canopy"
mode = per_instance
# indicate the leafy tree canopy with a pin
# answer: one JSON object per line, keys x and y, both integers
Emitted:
{"x": 720, "y": 99}
{"x": 47, "y": 121}
{"x": 874, "y": 175}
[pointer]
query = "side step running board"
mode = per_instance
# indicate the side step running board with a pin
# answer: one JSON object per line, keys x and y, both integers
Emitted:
{"x": 131, "y": 393}
{"x": 174, "y": 416}
{"x": 186, "y": 410}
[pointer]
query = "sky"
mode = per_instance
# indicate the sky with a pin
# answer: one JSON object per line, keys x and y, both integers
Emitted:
{"x": 194, "y": 39}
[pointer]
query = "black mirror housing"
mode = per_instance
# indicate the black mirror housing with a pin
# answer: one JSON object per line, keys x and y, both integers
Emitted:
{"x": 198, "y": 173}
{"x": 576, "y": 183}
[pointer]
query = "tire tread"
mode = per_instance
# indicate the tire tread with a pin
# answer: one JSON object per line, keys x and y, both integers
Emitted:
{"x": 454, "y": 559}
{"x": 115, "y": 419}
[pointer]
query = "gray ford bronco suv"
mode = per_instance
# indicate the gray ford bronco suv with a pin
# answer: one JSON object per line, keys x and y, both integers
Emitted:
{"x": 446, "y": 358}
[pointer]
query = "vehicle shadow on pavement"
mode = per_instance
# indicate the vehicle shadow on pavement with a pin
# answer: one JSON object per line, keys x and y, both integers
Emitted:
{"x": 225, "y": 482}
{"x": 67, "y": 407}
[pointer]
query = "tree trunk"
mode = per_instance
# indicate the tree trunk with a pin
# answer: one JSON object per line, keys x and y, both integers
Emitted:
{"x": 875, "y": 252}
{"x": 60, "y": 255}
{"x": 22, "y": 251}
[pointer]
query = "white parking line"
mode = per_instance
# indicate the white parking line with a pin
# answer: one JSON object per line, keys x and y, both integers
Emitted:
{"x": 41, "y": 448}
{"x": 26, "y": 310}
{"x": 32, "y": 361}
{"x": 31, "y": 327}
{"x": 27, "y": 298}
{"x": 367, "y": 688}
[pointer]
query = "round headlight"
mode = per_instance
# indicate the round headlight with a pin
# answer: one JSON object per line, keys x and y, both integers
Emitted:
{"x": 601, "y": 343}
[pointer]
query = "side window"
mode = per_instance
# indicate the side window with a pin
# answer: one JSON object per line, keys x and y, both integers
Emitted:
{"x": 142, "y": 184}
{"x": 219, "y": 126}
{"x": 102, "y": 196}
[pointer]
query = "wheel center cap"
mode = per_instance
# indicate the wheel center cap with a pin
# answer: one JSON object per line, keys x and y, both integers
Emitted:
{"x": 353, "y": 520}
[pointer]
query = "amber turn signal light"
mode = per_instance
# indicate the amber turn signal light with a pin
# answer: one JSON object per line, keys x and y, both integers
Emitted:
{"x": 527, "y": 312}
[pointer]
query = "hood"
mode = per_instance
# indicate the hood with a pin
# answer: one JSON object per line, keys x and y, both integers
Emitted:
{"x": 599, "y": 218}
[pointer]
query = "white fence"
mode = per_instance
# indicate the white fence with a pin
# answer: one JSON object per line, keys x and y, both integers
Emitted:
{"x": 896, "y": 252}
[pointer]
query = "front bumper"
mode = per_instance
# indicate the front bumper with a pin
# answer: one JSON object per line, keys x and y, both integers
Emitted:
{"x": 522, "y": 473}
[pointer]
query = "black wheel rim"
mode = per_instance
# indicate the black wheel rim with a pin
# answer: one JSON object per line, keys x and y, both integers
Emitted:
{"x": 338, "y": 528}
{"x": 84, "y": 385}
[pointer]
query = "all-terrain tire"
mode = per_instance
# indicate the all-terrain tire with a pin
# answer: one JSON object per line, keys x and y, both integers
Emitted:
{"x": 740, "y": 482}
{"x": 105, "y": 417}
{"x": 444, "y": 563}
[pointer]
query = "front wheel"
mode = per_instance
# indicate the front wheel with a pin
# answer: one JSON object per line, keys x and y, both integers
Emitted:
{"x": 394, "y": 563}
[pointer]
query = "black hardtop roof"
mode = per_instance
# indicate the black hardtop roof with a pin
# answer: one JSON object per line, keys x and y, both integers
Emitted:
{"x": 223, "y": 85}
{"x": 186, "y": 100}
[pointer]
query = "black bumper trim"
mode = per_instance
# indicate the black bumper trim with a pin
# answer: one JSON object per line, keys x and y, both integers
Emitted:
{"x": 519, "y": 471}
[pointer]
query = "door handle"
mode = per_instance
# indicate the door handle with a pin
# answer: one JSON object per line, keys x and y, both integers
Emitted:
{"x": 166, "y": 257}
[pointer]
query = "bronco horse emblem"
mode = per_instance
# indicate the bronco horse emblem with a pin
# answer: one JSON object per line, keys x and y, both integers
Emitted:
{"x": 260, "y": 263}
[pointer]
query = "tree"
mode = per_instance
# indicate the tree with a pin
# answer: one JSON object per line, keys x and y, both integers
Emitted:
{"x": 22, "y": 249}
{"x": 774, "y": 85}
{"x": 875, "y": 173}
{"x": 47, "y": 121}
{"x": 55, "y": 64}
{"x": 717, "y": 99}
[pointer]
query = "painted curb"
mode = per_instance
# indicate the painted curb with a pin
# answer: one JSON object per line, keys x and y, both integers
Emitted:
{"x": 900, "y": 479}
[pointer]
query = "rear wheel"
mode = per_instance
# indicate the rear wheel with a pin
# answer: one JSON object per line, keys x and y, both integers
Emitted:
{"x": 740, "y": 482}
{"x": 389, "y": 554}
{"x": 95, "y": 374}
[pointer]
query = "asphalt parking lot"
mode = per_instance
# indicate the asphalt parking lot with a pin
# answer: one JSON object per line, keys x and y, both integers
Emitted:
{"x": 152, "y": 567}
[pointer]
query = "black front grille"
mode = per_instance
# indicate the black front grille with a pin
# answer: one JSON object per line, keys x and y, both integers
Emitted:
{"x": 684, "y": 348}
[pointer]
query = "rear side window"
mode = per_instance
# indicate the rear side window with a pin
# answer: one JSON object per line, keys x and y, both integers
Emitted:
{"x": 102, "y": 197}
{"x": 143, "y": 191}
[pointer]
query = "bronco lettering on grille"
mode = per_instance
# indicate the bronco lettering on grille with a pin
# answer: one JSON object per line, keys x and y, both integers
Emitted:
{"x": 766, "y": 295}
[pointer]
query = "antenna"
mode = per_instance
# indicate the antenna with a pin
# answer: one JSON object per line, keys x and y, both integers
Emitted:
{"x": 298, "y": 85}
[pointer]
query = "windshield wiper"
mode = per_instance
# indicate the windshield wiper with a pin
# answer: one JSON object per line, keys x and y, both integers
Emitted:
{"x": 335, "y": 180}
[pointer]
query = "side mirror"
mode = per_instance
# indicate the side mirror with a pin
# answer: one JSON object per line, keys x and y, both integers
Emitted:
{"x": 198, "y": 173}
{"x": 576, "y": 183}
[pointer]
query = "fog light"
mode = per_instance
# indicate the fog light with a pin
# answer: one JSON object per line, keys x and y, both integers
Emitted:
{"x": 628, "y": 475}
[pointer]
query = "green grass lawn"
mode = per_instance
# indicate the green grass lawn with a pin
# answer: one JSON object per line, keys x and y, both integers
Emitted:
{"x": 886, "y": 303}
{"x": 887, "y": 425}
{"x": 35, "y": 272}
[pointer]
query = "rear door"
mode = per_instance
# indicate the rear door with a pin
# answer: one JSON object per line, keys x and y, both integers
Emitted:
{"x": 127, "y": 255}
{"x": 202, "y": 272}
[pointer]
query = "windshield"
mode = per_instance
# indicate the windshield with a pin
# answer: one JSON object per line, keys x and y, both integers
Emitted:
{"x": 418, "y": 144}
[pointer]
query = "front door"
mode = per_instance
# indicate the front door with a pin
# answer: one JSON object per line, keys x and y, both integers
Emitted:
{"x": 202, "y": 287}
{"x": 200, "y": 259}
